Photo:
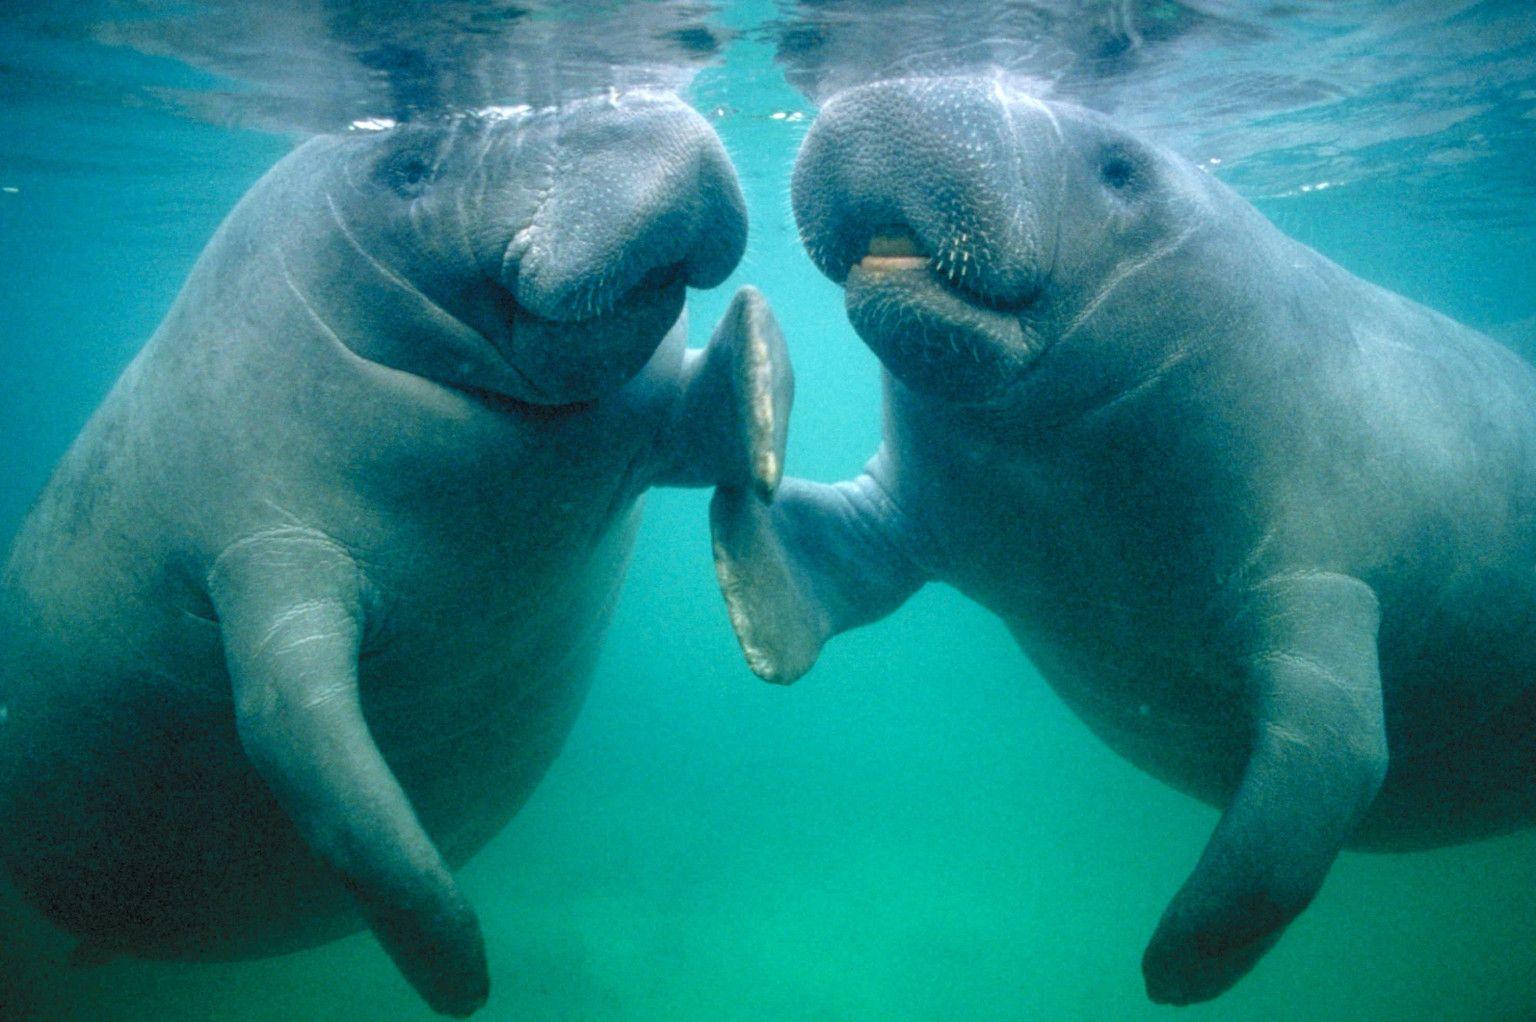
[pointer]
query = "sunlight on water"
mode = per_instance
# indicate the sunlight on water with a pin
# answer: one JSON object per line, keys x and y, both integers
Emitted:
{"x": 919, "y": 829}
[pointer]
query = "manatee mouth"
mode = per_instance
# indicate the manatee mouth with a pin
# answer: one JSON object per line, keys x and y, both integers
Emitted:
{"x": 894, "y": 250}
{"x": 603, "y": 345}
{"x": 933, "y": 335}
{"x": 603, "y": 291}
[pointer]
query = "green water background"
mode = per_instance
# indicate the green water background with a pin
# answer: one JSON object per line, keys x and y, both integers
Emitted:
{"x": 918, "y": 830}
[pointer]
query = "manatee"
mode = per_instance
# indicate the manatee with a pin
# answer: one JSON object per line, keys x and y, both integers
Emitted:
{"x": 310, "y": 605}
{"x": 1268, "y": 529}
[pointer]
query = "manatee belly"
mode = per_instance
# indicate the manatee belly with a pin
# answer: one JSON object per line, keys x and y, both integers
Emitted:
{"x": 134, "y": 820}
{"x": 1162, "y": 713}
{"x": 132, "y": 817}
{"x": 1460, "y": 706}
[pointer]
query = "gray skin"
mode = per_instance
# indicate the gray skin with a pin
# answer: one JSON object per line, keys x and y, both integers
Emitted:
{"x": 1268, "y": 529}
{"x": 310, "y": 605}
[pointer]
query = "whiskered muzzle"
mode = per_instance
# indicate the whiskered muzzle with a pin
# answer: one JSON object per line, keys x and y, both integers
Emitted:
{"x": 644, "y": 194}
{"x": 638, "y": 202}
{"x": 932, "y": 167}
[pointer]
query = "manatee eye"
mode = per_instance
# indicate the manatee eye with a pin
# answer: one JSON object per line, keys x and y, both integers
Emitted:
{"x": 1117, "y": 170}
{"x": 409, "y": 169}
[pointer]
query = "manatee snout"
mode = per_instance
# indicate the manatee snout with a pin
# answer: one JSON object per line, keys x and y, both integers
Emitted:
{"x": 918, "y": 196}
{"x": 563, "y": 238}
{"x": 640, "y": 202}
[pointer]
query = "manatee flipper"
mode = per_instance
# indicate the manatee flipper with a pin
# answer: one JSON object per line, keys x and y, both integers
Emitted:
{"x": 1318, "y": 757}
{"x": 818, "y": 560}
{"x": 734, "y": 414}
{"x": 291, "y": 610}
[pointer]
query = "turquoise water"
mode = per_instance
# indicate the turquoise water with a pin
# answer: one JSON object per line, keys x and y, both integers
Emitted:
{"x": 917, "y": 830}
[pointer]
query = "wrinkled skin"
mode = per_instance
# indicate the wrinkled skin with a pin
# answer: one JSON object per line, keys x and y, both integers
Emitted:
{"x": 1268, "y": 529}
{"x": 310, "y": 605}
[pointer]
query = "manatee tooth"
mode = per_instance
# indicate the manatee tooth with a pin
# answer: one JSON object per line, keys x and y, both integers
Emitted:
{"x": 893, "y": 263}
{"x": 894, "y": 251}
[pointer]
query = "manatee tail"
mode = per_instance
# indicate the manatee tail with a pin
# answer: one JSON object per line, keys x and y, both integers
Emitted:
{"x": 734, "y": 413}
{"x": 815, "y": 561}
